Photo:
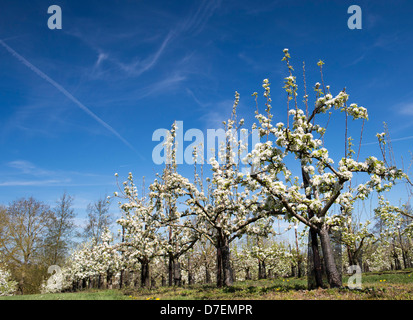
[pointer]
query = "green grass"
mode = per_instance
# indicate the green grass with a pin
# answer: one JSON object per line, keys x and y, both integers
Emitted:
{"x": 84, "y": 295}
{"x": 375, "y": 286}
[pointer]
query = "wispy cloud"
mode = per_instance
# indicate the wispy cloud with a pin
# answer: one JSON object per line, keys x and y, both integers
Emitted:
{"x": 27, "y": 167}
{"x": 197, "y": 20}
{"x": 101, "y": 57}
{"x": 139, "y": 66}
{"x": 160, "y": 86}
{"x": 191, "y": 25}
{"x": 32, "y": 183}
{"x": 218, "y": 112}
{"x": 357, "y": 60}
{"x": 66, "y": 93}
{"x": 392, "y": 140}
{"x": 406, "y": 109}
{"x": 201, "y": 104}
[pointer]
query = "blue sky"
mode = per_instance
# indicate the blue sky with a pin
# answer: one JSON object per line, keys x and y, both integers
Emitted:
{"x": 79, "y": 104}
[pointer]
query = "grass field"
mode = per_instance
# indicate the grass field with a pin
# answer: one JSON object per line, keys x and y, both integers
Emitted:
{"x": 375, "y": 286}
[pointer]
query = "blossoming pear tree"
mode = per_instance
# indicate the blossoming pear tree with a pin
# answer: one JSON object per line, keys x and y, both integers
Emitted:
{"x": 309, "y": 196}
{"x": 228, "y": 210}
{"x": 180, "y": 240}
{"x": 397, "y": 231}
{"x": 143, "y": 238}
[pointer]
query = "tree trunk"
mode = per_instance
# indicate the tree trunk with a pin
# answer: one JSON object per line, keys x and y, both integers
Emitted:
{"x": 351, "y": 261}
{"x": 262, "y": 273}
{"x": 177, "y": 274}
{"x": 316, "y": 271}
{"x": 121, "y": 279}
{"x": 298, "y": 254}
{"x": 228, "y": 280}
{"x": 233, "y": 270}
{"x": 171, "y": 270}
{"x": 397, "y": 264}
{"x": 220, "y": 282}
{"x": 190, "y": 275}
{"x": 207, "y": 274}
{"x": 145, "y": 278}
{"x": 109, "y": 280}
{"x": 247, "y": 274}
{"x": 333, "y": 276}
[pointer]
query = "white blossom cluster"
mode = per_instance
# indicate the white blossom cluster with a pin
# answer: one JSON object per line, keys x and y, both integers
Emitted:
{"x": 276, "y": 257}
{"x": 90, "y": 260}
{"x": 7, "y": 285}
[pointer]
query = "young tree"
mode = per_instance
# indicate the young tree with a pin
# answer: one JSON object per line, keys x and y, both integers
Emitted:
{"x": 396, "y": 230}
{"x": 180, "y": 240}
{"x": 356, "y": 237}
{"x": 143, "y": 238}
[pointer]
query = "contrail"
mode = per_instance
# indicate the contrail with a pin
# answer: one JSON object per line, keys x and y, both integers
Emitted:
{"x": 66, "y": 93}
{"x": 392, "y": 140}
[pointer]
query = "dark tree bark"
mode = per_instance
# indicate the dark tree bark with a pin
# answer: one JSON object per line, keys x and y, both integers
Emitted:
{"x": 228, "y": 279}
{"x": 225, "y": 276}
{"x": 262, "y": 273}
{"x": 171, "y": 269}
{"x": 333, "y": 276}
{"x": 145, "y": 275}
{"x": 177, "y": 274}
{"x": 121, "y": 279}
{"x": 190, "y": 275}
{"x": 247, "y": 274}
{"x": 298, "y": 254}
{"x": 316, "y": 260}
{"x": 207, "y": 274}
{"x": 220, "y": 281}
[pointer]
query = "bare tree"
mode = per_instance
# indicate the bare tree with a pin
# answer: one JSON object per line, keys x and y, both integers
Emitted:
{"x": 25, "y": 224}
{"x": 60, "y": 234}
{"x": 99, "y": 218}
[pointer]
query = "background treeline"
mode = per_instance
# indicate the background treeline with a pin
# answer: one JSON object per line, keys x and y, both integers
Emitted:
{"x": 35, "y": 236}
